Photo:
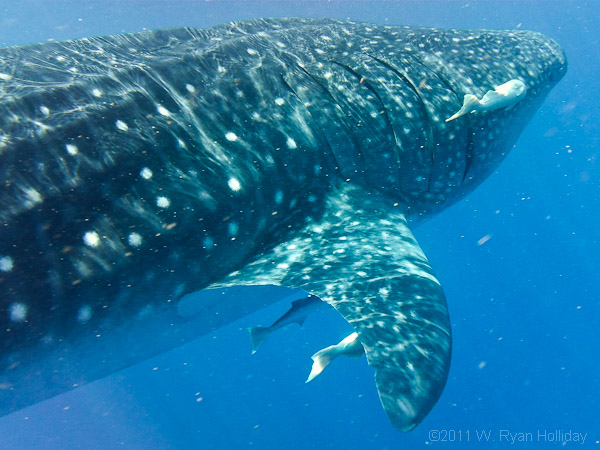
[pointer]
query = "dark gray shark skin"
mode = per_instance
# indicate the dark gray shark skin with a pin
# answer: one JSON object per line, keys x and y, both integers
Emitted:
{"x": 293, "y": 152}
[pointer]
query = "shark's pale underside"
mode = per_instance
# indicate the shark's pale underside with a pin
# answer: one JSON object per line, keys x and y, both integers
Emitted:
{"x": 139, "y": 168}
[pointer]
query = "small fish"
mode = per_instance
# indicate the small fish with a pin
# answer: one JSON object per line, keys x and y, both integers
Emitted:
{"x": 349, "y": 346}
{"x": 296, "y": 314}
{"x": 506, "y": 96}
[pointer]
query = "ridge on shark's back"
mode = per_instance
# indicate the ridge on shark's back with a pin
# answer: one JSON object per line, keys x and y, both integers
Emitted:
{"x": 145, "y": 175}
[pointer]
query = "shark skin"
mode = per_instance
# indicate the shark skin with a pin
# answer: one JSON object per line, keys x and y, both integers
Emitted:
{"x": 141, "y": 169}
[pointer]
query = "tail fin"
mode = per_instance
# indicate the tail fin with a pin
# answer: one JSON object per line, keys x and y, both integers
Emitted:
{"x": 470, "y": 104}
{"x": 258, "y": 336}
{"x": 321, "y": 359}
{"x": 349, "y": 346}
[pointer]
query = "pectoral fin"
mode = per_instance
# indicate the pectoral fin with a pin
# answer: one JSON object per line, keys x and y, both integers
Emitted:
{"x": 362, "y": 258}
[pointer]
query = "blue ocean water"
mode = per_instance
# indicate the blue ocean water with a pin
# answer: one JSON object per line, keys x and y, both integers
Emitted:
{"x": 518, "y": 259}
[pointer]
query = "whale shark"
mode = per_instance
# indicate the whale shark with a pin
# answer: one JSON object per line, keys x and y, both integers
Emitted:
{"x": 159, "y": 185}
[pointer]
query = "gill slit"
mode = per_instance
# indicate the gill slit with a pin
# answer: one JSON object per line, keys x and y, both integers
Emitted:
{"x": 384, "y": 111}
{"x": 429, "y": 130}
{"x": 469, "y": 128}
{"x": 315, "y": 129}
{"x": 343, "y": 124}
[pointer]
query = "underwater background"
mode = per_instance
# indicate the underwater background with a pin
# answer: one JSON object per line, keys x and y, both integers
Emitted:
{"x": 519, "y": 260}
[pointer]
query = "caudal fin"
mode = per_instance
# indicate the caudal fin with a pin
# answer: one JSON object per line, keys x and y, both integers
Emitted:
{"x": 258, "y": 336}
{"x": 321, "y": 359}
{"x": 470, "y": 104}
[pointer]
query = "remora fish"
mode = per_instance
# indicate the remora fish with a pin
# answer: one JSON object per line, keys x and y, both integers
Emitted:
{"x": 349, "y": 346}
{"x": 292, "y": 152}
{"x": 504, "y": 96}
{"x": 298, "y": 313}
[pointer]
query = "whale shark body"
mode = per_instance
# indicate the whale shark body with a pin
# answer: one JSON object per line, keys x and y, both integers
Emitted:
{"x": 145, "y": 175}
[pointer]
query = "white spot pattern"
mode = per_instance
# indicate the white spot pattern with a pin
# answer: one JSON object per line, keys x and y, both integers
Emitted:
{"x": 6, "y": 264}
{"x": 163, "y": 111}
{"x": 208, "y": 243}
{"x": 18, "y": 312}
{"x": 121, "y": 125}
{"x": 91, "y": 239}
{"x": 33, "y": 196}
{"x": 278, "y": 197}
{"x": 291, "y": 143}
{"x": 134, "y": 239}
{"x": 234, "y": 184}
{"x": 146, "y": 173}
{"x": 233, "y": 229}
{"x": 84, "y": 314}
{"x": 163, "y": 202}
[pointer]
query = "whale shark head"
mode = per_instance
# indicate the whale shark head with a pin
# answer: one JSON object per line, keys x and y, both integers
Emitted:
{"x": 414, "y": 155}
{"x": 480, "y": 62}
